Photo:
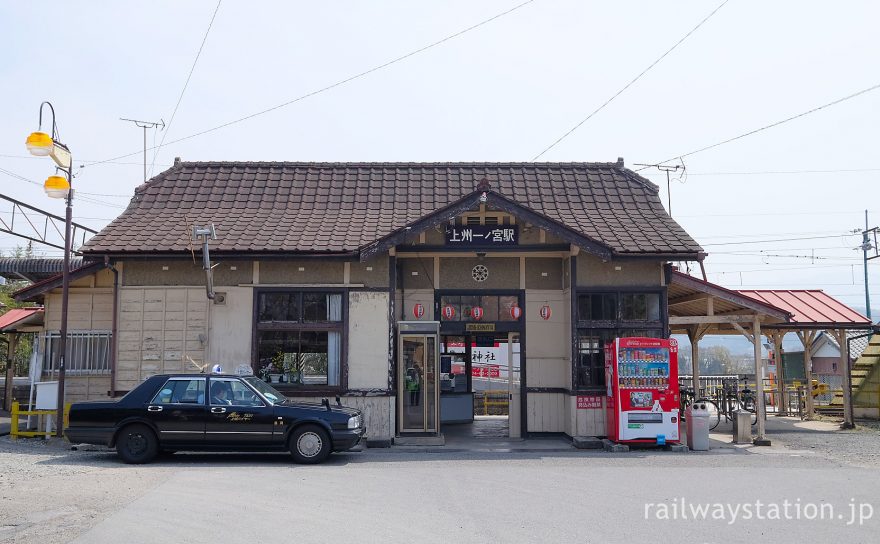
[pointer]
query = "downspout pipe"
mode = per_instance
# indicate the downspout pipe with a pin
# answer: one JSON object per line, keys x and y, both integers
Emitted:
{"x": 114, "y": 327}
{"x": 209, "y": 272}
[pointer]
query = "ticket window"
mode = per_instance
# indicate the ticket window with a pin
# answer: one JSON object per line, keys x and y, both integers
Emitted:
{"x": 418, "y": 383}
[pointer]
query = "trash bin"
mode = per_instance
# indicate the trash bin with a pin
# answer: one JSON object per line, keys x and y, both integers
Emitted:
{"x": 697, "y": 427}
{"x": 742, "y": 427}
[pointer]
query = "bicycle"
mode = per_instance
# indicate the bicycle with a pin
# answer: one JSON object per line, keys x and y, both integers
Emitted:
{"x": 734, "y": 399}
{"x": 686, "y": 398}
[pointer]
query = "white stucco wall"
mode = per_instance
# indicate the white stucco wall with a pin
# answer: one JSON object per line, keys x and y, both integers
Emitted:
{"x": 368, "y": 331}
{"x": 230, "y": 335}
{"x": 548, "y": 342}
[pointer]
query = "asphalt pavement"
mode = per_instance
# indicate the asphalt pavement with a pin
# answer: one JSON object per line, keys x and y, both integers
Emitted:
{"x": 511, "y": 497}
{"x": 812, "y": 485}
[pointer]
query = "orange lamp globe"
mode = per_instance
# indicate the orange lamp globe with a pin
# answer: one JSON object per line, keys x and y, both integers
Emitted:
{"x": 39, "y": 144}
{"x": 56, "y": 186}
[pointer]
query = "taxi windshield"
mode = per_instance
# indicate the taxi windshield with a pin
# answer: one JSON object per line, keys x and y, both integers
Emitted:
{"x": 266, "y": 390}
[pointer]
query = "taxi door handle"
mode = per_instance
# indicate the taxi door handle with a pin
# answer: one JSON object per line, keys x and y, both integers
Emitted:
{"x": 154, "y": 408}
{"x": 218, "y": 410}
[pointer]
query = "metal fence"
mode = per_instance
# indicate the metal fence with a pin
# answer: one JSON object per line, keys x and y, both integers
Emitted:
{"x": 710, "y": 385}
{"x": 835, "y": 386}
{"x": 491, "y": 402}
{"x": 88, "y": 352}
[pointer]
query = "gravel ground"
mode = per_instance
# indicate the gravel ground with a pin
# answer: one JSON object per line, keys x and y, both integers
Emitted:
{"x": 859, "y": 447}
{"x": 50, "y": 494}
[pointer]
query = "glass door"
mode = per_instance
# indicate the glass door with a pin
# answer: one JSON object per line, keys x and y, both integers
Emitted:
{"x": 418, "y": 391}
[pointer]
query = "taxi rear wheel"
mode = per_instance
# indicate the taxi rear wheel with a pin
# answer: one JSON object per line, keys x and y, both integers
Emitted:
{"x": 309, "y": 444}
{"x": 136, "y": 444}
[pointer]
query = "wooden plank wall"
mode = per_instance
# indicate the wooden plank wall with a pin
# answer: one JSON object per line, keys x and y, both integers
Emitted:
{"x": 558, "y": 413}
{"x": 79, "y": 388}
{"x": 546, "y": 412}
{"x": 158, "y": 327}
{"x": 585, "y": 422}
{"x": 90, "y": 309}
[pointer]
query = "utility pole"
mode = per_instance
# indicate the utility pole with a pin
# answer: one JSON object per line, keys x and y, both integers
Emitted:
{"x": 145, "y": 125}
{"x": 866, "y": 247}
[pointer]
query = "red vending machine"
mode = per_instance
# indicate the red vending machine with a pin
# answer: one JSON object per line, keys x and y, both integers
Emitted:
{"x": 641, "y": 375}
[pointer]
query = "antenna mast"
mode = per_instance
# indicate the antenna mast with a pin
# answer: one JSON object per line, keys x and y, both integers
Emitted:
{"x": 145, "y": 125}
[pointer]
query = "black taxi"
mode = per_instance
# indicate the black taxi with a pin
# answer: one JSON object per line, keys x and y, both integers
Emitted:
{"x": 214, "y": 412}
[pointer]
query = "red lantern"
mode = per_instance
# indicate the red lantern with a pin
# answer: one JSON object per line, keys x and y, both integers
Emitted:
{"x": 515, "y": 312}
{"x": 477, "y": 313}
{"x": 419, "y": 311}
{"x": 449, "y": 312}
{"x": 546, "y": 312}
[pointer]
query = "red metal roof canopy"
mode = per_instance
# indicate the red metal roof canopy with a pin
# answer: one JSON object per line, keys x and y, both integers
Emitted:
{"x": 810, "y": 307}
{"x": 16, "y": 316}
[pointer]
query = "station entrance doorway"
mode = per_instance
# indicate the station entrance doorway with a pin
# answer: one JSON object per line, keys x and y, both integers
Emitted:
{"x": 482, "y": 362}
{"x": 480, "y": 385}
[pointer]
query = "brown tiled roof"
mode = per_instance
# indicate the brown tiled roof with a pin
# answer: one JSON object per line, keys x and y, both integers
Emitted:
{"x": 342, "y": 207}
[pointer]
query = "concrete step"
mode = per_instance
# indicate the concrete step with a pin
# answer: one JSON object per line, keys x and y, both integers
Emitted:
{"x": 614, "y": 447}
{"x": 420, "y": 440}
{"x": 587, "y": 443}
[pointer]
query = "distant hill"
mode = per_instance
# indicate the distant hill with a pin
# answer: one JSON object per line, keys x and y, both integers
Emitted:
{"x": 739, "y": 346}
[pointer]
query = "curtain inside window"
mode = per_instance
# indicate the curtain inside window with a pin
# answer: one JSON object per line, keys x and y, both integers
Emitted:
{"x": 333, "y": 349}
{"x": 334, "y": 307}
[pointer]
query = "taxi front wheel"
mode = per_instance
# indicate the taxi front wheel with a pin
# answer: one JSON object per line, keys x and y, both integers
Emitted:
{"x": 136, "y": 444}
{"x": 309, "y": 444}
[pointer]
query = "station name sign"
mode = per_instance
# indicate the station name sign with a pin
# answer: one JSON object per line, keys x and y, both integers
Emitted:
{"x": 482, "y": 235}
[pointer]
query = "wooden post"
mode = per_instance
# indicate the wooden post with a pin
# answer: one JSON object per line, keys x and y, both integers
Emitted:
{"x": 761, "y": 439}
{"x": 694, "y": 336}
{"x": 840, "y": 336}
{"x": 11, "y": 343}
{"x": 776, "y": 338}
{"x": 807, "y": 338}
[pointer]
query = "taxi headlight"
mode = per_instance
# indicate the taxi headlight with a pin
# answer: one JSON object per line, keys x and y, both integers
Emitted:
{"x": 354, "y": 422}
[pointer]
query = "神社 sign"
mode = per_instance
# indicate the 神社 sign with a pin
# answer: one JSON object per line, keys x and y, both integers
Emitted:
{"x": 482, "y": 235}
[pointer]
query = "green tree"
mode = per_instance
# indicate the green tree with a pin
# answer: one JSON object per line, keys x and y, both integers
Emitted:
{"x": 716, "y": 360}
{"x": 26, "y": 341}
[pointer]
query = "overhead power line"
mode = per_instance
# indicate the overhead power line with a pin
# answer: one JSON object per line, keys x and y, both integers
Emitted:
{"x": 627, "y": 86}
{"x": 765, "y": 214}
{"x": 333, "y": 85}
{"x": 779, "y": 240}
{"x": 793, "y": 266}
{"x": 80, "y": 195}
{"x": 185, "y": 85}
{"x": 9, "y": 156}
{"x": 752, "y": 235}
{"x": 776, "y": 124}
{"x": 811, "y": 257}
{"x": 777, "y": 172}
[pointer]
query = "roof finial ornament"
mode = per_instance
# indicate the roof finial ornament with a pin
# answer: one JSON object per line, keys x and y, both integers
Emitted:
{"x": 484, "y": 185}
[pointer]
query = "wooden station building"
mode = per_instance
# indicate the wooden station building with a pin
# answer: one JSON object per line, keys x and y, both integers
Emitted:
{"x": 382, "y": 283}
